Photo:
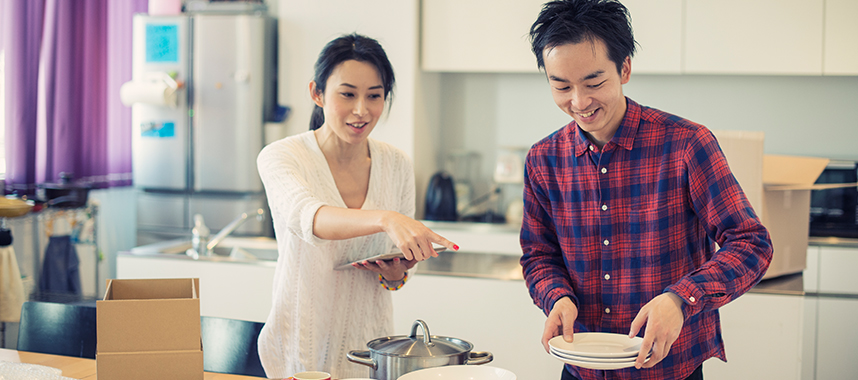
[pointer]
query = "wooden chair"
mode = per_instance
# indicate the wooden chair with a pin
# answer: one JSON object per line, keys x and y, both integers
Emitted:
{"x": 56, "y": 328}
{"x": 229, "y": 346}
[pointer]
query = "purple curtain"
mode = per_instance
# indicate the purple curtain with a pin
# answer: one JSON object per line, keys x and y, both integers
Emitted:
{"x": 22, "y": 39}
{"x": 65, "y": 63}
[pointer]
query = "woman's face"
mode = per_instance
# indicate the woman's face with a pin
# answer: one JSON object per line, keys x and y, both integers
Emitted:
{"x": 353, "y": 100}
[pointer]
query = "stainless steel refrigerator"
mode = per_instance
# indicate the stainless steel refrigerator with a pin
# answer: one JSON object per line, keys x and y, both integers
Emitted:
{"x": 202, "y": 87}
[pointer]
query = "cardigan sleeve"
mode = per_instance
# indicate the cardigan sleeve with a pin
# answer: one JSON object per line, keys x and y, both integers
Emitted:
{"x": 286, "y": 169}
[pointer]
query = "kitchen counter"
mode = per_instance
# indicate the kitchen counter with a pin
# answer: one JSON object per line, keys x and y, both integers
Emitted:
{"x": 832, "y": 242}
{"x": 507, "y": 267}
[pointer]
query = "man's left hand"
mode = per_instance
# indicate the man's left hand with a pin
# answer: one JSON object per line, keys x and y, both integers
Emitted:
{"x": 663, "y": 318}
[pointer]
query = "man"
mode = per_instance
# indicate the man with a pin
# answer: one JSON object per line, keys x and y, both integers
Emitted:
{"x": 623, "y": 208}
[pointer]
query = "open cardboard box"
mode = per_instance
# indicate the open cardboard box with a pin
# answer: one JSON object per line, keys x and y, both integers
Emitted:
{"x": 778, "y": 188}
{"x": 149, "y": 329}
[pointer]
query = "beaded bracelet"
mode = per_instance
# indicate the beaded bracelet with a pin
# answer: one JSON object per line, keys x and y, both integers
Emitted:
{"x": 384, "y": 283}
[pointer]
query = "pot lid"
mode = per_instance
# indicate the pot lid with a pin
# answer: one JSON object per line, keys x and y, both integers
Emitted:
{"x": 415, "y": 345}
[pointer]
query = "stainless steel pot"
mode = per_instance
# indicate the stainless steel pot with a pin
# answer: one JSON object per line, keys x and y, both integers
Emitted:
{"x": 393, "y": 356}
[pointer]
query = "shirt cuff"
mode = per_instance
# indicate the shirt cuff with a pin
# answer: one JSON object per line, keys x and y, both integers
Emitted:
{"x": 692, "y": 298}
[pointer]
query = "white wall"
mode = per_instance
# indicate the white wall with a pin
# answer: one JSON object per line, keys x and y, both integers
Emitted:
{"x": 307, "y": 25}
{"x": 813, "y": 116}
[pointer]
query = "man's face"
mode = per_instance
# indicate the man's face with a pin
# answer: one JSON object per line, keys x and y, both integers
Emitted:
{"x": 586, "y": 85}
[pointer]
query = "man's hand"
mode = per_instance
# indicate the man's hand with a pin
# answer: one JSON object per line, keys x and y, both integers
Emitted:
{"x": 561, "y": 320}
{"x": 663, "y": 318}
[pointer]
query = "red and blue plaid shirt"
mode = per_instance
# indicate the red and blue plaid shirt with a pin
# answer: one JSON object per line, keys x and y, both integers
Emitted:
{"x": 612, "y": 228}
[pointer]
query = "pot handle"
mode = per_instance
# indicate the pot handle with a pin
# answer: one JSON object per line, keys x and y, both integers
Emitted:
{"x": 361, "y": 357}
{"x": 421, "y": 324}
{"x": 482, "y": 357}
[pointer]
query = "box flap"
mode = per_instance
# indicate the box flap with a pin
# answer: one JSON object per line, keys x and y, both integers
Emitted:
{"x": 170, "y": 288}
{"x": 792, "y": 170}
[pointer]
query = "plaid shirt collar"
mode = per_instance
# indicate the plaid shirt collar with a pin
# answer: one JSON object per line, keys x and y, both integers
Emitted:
{"x": 625, "y": 135}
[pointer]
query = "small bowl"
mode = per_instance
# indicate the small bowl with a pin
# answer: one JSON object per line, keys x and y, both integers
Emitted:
{"x": 460, "y": 372}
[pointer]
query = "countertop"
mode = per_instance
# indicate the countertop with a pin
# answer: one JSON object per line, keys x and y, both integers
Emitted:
{"x": 507, "y": 268}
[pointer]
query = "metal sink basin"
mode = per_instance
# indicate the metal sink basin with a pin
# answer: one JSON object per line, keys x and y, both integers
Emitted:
{"x": 230, "y": 248}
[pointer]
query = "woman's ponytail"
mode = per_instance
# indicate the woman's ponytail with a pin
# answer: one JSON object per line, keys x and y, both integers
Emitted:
{"x": 317, "y": 118}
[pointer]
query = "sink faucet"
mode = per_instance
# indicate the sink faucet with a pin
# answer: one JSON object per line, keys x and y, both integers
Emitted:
{"x": 232, "y": 226}
{"x": 203, "y": 246}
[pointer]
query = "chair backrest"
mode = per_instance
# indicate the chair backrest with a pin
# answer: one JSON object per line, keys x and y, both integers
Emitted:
{"x": 229, "y": 346}
{"x": 56, "y": 328}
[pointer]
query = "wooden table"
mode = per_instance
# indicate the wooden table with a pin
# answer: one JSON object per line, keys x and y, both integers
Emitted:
{"x": 81, "y": 368}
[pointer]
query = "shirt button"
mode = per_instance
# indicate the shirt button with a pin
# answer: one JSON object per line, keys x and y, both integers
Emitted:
{"x": 604, "y": 207}
{"x": 604, "y": 170}
{"x": 607, "y": 276}
{"x": 607, "y": 310}
{"x": 692, "y": 299}
{"x": 606, "y": 242}
{"x": 591, "y": 147}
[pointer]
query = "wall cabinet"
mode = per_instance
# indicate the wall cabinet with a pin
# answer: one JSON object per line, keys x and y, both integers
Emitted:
{"x": 841, "y": 31}
{"x": 753, "y": 37}
{"x": 756, "y": 37}
{"x": 478, "y": 35}
{"x": 657, "y": 25}
{"x": 493, "y": 36}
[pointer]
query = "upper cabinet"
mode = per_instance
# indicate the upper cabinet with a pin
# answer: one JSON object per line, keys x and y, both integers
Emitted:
{"x": 657, "y": 25}
{"x": 753, "y": 37}
{"x": 840, "y": 51}
{"x": 478, "y": 35}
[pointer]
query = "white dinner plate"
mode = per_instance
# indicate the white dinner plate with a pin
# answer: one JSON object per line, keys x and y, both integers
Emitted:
{"x": 597, "y": 365}
{"x": 460, "y": 372}
{"x": 589, "y": 359}
{"x": 598, "y": 345}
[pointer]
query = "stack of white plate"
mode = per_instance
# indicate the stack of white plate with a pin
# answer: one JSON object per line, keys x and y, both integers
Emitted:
{"x": 597, "y": 350}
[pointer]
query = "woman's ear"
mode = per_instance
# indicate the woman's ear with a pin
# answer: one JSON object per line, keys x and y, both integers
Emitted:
{"x": 316, "y": 95}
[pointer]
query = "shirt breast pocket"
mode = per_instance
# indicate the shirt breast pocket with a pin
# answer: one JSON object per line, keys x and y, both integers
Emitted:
{"x": 644, "y": 235}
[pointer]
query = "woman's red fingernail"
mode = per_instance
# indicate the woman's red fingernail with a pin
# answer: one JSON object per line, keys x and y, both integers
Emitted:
{"x": 456, "y": 247}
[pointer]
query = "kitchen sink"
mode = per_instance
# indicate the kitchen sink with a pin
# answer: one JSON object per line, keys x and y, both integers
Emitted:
{"x": 231, "y": 248}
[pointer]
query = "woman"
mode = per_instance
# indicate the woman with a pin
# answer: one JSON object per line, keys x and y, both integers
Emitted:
{"x": 331, "y": 191}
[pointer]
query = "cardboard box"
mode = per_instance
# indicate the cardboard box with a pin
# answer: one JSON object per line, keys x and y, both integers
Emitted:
{"x": 778, "y": 188}
{"x": 149, "y": 329}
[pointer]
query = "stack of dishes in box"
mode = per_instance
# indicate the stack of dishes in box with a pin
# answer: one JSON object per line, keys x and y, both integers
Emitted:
{"x": 603, "y": 351}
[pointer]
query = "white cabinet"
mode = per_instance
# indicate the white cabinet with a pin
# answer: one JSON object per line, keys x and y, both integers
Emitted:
{"x": 837, "y": 270}
{"x": 478, "y": 35}
{"x": 754, "y": 37}
{"x": 227, "y": 290}
{"x": 657, "y": 25}
{"x": 758, "y": 37}
{"x": 841, "y": 32}
{"x": 493, "y": 36}
{"x": 763, "y": 338}
{"x": 810, "y": 275}
{"x": 494, "y": 315}
{"x": 837, "y": 339}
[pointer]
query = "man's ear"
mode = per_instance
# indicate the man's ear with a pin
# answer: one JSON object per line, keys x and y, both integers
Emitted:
{"x": 626, "y": 70}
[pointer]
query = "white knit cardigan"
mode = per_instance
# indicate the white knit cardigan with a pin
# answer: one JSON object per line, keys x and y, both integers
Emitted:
{"x": 318, "y": 314}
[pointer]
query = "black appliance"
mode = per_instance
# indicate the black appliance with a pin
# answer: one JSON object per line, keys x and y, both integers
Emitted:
{"x": 441, "y": 198}
{"x": 834, "y": 212}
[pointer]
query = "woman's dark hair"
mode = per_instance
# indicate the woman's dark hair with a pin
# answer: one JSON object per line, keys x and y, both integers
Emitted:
{"x": 573, "y": 21}
{"x": 350, "y": 47}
